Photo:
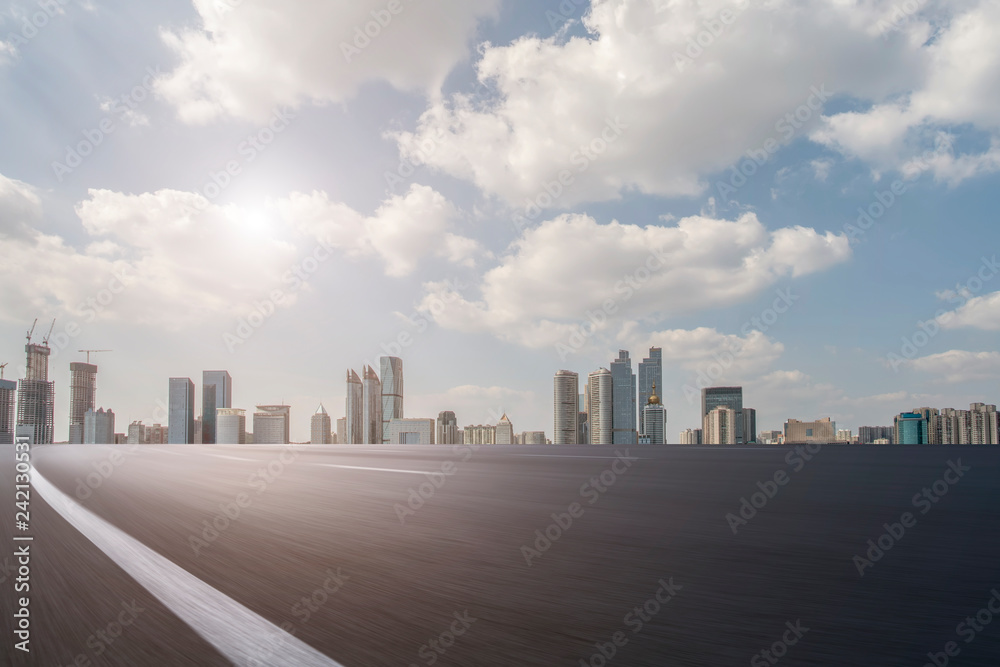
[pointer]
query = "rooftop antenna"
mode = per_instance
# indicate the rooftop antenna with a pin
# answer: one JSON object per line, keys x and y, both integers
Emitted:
{"x": 94, "y": 351}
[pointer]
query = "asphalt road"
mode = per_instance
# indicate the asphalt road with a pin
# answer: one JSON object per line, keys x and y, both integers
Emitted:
{"x": 174, "y": 555}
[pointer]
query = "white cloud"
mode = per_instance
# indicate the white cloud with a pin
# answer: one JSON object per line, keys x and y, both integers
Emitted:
{"x": 958, "y": 71}
{"x": 572, "y": 270}
{"x": 250, "y": 57}
{"x": 709, "y": 355}
{"x": 684, "y": 118}
{"x": 981, "y": 312}
{"x": 955, "y": 366}
{"x": 20, "y": 207}
{"x": 404, "y": 229}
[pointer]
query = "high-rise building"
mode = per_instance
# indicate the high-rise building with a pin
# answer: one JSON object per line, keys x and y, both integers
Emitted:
{"x": 8, "y": 414}
{"x": 650, "y": 372}
{"x": 36, "y": 395}
{"x": 180, "y": 412}
{"x": 582, "y": 428}
{"x": 342, "y": 438}
{"x": 216, "y": 392}
{"x": 320, "y": 427}
{"x": 690, "y": 436}
{"x": 845, "y": 435}
{"x": 479, "y": 434}
{"x": 623, "y": 416}
{"x": 137, "y": 434}
{"x": 99, "y": 427}
{"x": 749, "y": 426}
{"x": 355, "y": 410}
{"x": 867, "y": 435}
{"x": 447, "y": 429}
{"x": 157, "y": 434}
{"x": 727, "y": 397}
{"x": 411, "y": 432}
{"x": 654, "y": 419}
{"x": 911, "y": 428}
{"x": 371, "y": 420}
{"x": 566, "y": 408}
{"x": 721, "y": 426}
{"x": 82, "y": 396}
{"x": 272, "y": 425}
{"x": 599, "y": 387}
{"x": 822, "y": 431}
{"x": 505, "y": 431}
{"x": 198, "y": 433}
{"x": 230, "y": 426}
{"x": 771, "y": 438}
{"x": 391, "y": 370}
{"x": 983, "y": 425}
{"x": 533, "y": 438}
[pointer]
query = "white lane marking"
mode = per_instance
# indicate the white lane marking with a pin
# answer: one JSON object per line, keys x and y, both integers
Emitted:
{"x": 567, "y": 456}
{"x": 232, "y": 458}
{"x": 244, "y": 637}
{"x": 409, "y": 472}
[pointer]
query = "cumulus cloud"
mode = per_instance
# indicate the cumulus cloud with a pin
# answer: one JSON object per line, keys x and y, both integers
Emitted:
{"x": 572, "y": 270}
{"x": 184, "y": 259}
{"x": 404, "y": 229}
{"x": 981, "y": 312}
{"x": 955, "y": 366}
{"x": 685, "y": 110}
{"x": 959, "y": 67}
{"x": 249, "y": 57}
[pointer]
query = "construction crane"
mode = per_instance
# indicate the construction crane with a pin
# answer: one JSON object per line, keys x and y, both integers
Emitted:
{"x": 94, "y": 351}
{"x": 32, "y": 330}
{"x": 2, "y": 366}
{"x": 45, "y": 341}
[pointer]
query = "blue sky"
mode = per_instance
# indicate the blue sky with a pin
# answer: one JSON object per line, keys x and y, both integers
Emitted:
{"x": 506, "y": 101}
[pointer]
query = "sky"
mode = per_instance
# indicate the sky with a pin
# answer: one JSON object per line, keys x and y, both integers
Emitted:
{"x": 794, "y": 196}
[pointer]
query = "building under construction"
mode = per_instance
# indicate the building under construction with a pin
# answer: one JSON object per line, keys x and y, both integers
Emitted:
{"x": 36, "y": 395}
{"x": 82, "y": 394}
{"x": 8, "y": 399}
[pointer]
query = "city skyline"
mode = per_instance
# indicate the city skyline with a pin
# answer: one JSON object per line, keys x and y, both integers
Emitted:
{"x": 777, "y": 255}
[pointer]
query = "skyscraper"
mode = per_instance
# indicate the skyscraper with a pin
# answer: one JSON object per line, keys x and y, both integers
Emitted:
{"x": 354, "y": 409}
{"x": 216, "y": 392}
{"x": 82, "y": 394}
{"x": 342, "y": 438}
{"x": 910, "y": 429}
{"x": 391, "y": 369}
{"x": 447, "y": 428}
{"x": 272, "y": 425}
{"x": 99, "y": 427}
{"x": 505, "y": 431}
{"x": 721, "y": 425}
{"x": 8, "y": 415}
{"x": 728, "y": 397}
{"x": 623, "y": 398}
{"x": 230, "y": 426}
{"x": 566, "y": 402}
{"x": 654, "y": 419}
{"x": 36, "y": 395}
{"x": 599, "y": 387}
{"x": 320, "y": 427}
{"x": 650, "y": 372}
{"x": 180, "y": 412}
{"x": 749, "y": 426}
{"x": 371, "y": 422}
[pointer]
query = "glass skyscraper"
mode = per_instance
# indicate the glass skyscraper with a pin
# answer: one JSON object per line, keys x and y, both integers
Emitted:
{"x": 650, "y": 372}
{"x": 623, "y": 397}
{"x": 391, "y": 370}
{"x": 180, "y": 412}
{"x": 354, "y": 409}
{"x": 371, "y": 418}
{"x": 599, "y": 392}
{"x": 216, "y": 392}
{"x": 726, "y": 397}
